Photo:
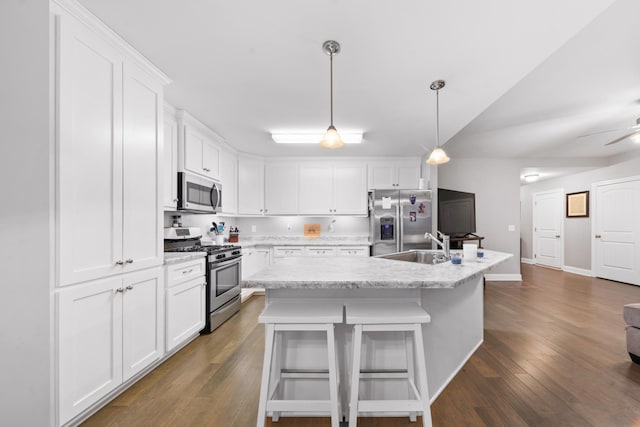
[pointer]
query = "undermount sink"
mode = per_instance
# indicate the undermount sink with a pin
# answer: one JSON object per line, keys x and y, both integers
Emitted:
{"x": 419, "y": 256}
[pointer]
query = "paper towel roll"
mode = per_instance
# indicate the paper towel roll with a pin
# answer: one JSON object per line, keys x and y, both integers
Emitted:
{"x": 469, "y": 251}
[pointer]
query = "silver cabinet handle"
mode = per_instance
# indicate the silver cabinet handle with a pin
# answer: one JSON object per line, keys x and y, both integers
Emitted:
{"x": 187, "y": 271}
{"x": 129, "y": 261}
{"x": 129, "y": 287}
{"x": 119, "y": 262}
{"x": 598, "y": 236}
{"x": 557, "y": 236}
{"x": 119, "y": 290}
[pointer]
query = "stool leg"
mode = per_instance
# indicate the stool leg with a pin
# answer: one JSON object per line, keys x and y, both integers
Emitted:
{"x": 333, "y": 377}
{"x": 411, "y": 375}
{"x": 422, "y": 375}
{"x": 266, "y": 370}
{"x": 355, "y": 376}
{"x": 277, "y": 367}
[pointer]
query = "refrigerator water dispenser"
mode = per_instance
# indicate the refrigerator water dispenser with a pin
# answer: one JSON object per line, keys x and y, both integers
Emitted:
{"x": 386, "y": 228}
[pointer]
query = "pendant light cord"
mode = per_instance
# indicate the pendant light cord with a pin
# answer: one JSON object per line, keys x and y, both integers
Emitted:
{"x": 331, "y": 83}
{"x": 437, "y": 119}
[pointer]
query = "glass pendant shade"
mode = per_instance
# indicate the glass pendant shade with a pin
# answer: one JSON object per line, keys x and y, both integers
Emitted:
{"x": 331, "y": 139}
{"x": 438, "y": 157}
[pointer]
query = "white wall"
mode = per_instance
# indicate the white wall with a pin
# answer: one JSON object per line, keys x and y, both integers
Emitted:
{"x": 496, "y": 184}
{"x": 577, "y": 241}
{"x": 25, "y": 213}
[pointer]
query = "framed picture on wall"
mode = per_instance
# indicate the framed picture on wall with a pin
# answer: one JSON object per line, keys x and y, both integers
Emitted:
{"x": 578, "y": 204}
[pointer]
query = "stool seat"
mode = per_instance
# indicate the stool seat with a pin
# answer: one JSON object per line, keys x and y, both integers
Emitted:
{"x": 300, "y": 312}
{"x": 631, "y": 314}
{"x": 366, "y": 313}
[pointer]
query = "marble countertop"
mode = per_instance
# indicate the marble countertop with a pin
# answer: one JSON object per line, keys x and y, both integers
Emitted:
{"x": 176, "y": 257}
{"x": 304, "y": 241}
{"x": 365, "y": 272}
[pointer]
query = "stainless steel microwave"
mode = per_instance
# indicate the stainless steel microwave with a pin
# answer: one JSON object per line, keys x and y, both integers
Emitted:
{"x": 198, "y": 194}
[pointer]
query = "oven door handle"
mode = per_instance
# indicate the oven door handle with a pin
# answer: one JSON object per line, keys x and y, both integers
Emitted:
{"x": 215, "y": 266}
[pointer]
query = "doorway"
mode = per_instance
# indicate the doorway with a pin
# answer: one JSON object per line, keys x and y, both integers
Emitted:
{"x": 548, "y": 228}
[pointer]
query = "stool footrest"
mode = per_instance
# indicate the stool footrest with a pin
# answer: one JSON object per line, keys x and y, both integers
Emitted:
{"x": 299, "y": 405}
{"x": 390, "y": 406}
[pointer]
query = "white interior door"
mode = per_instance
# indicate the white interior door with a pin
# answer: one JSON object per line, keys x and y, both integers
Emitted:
{"x": 617, "y": 230}
{"x": 548, "y": 216}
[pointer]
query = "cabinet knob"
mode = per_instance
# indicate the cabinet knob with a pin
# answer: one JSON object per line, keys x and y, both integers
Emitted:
{"x": 120, "y": 290}
{"x": 557, "y": 236}
{"x": 129, "y": 287}
{"x": 175, "y": 200}
{"x": 598, "y": 236}
{"x": 187, "y": 271}
{"x": 119, "y": 262}
{"x": 129, "y": 261}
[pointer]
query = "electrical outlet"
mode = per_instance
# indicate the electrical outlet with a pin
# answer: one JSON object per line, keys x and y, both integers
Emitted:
{"x": 253, "y": 228}
{"x": 288, "y": 227}
{"x": 511, "y": 228}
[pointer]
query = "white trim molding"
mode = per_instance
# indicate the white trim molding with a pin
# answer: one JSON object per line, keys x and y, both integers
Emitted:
{"x": 527, "y": 261}
{"x": 580, "y": 271}
{"x": 503, "y": 277}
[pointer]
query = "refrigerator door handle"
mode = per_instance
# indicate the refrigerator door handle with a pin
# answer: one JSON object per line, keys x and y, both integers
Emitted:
{"x": 400, "y": 234}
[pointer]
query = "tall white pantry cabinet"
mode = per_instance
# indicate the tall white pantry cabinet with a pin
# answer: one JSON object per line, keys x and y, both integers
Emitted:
{"x": 109, "y": 297}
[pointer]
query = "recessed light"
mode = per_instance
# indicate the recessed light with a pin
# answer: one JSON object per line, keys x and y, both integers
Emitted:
{"x": 313, "y": 138}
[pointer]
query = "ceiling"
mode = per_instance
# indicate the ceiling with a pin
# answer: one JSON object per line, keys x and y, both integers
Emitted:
{"x": 524, "y": 78}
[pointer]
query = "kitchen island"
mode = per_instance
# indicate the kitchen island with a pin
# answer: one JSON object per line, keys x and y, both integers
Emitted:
{"x": 451, "y": 294}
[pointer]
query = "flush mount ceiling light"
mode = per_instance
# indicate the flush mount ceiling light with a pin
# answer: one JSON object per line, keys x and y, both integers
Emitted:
{"x": 331, "y": 138}
{"x": 312, "y": 138}
{"x": 438, "y": 156}
{"x": 531, "y": 177}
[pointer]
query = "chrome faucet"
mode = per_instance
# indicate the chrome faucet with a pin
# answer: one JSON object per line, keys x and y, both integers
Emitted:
{"x": 444, "y": 244}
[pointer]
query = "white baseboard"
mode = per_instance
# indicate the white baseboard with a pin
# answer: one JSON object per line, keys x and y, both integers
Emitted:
{"x": 503, "y": 277}
{"x": 575, "y": 270}
{"x": 527, "y": 261}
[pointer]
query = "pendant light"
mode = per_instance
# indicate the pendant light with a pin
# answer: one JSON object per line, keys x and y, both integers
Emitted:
{"x": 438, "y": 156}
{"x": 331, "y": 138}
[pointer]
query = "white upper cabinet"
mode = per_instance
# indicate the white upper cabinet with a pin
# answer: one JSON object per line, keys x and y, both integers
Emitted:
{"x": 170, "y": 135}
{"x": 109, "y": 159}
{"x": 250, "y": 186}
{"x": 229, "y": 181}
{"x": 395, "y": 174}
{"x": 281, "y": 188}
{"x": 333, "y": 189}
{"x": 199, "y": 147}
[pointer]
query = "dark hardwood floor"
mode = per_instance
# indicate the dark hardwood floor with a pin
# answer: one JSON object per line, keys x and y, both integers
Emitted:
{"x": 554, "y": 355}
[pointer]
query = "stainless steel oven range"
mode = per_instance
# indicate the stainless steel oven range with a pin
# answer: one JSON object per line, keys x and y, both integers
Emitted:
{"x": 223, "y": 272}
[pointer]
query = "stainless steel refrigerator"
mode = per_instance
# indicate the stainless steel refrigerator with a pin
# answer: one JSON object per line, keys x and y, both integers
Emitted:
{"x": 398, "y": 220}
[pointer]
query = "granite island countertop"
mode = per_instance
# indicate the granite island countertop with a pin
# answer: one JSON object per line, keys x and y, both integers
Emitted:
{"x": 368, "y": 272}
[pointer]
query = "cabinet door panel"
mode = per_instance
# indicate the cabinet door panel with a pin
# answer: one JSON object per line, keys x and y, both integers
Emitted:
{"x": 193, "y": 150}
{"x": 142, "y": 222}
{"x": 170, "y": 146}
{"x": 281, "y": 189}
{"x": 316, "y": 190}
{"x": 211, "y": 159}
{"x": 250, "y": 186}
{"x": 143, "y": 320}
{"x": 408, "y": 175}
{"x": 229, "y": 180}
{"x": 382, "y": 176}
{"x": 89, "y": 344}
{"x": 185, "y": 311}
{"x": 350, "y": 189}
{"x": 89, "y": 155}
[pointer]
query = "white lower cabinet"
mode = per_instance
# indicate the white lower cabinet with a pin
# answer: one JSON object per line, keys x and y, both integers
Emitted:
{"x": 108, "y": 331}
{"x": 353, "y": 251}
{"x": 186, "y": 295}
{"x": 254, "y": 260}
{"x": 319, "y": 251}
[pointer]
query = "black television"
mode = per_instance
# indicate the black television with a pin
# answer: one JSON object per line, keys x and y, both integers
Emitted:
{"x": 456, "y": 212}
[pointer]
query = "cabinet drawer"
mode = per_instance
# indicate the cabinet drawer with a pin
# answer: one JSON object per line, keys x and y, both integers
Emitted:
{"x": 178, "y": 273}
{"x": 354, "y": 251}
{"x": 288, "y": 251}
{"x": 320, "y": 251}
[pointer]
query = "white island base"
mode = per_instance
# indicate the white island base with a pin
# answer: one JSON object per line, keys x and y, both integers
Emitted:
{"x": 455, "y": 332}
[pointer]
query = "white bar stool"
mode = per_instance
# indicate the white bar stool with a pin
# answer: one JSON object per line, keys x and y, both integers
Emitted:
{"x": 280, "y": 317}
{"x": 404, "y": 317}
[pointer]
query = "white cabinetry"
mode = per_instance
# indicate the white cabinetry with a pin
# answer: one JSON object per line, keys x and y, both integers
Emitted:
{"x": 353, "y": 251}
{"x": 109, "y": 159}
{"x": 394, "y": 174}
{"x": 199, "y": 147}
{"x": 333, "y": 189}
{"x": 281, "y": 188}
{"x": 108, "y": 331}
{"x": 319, "y": 251}
{"x": 185, "y": 315}
{"x": 170, "y": 159}
{"x": 288, "y": 251}
{"x": 254, "y": 260}
{"x": 250, "y": 186}
{"x": 229, "y": 180}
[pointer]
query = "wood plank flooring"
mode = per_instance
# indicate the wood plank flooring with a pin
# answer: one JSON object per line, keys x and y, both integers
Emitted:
{"x": 554, "y": 355}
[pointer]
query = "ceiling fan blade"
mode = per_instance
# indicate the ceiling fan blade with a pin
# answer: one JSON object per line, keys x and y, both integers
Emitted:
{"x": 610, "y": 130}
{"x": 620, "y": 139}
